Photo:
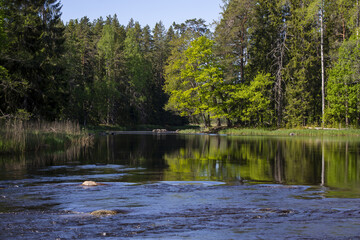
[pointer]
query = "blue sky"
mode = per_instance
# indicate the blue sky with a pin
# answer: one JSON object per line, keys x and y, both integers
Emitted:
{"x": 145, "y": 11}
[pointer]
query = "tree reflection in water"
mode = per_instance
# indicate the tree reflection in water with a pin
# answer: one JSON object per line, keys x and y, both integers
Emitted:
{"x": 328, "y": 162}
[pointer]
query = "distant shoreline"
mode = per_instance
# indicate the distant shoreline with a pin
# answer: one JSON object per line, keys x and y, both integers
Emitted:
{"x": 279, "y": 132}
{"x": 240, "y": 131}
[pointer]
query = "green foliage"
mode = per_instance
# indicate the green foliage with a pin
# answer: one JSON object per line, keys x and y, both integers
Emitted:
{"x": 137, "y": 67}
{"x": 232, "y": 38}
{"x": 192, "y": 79}
{"x": 34, "y": 38}
{"x": 261, "y": 67}
{"x": 3, "y": 41}
{"x": 257, "y": 96}
{"x": 343, "y": 88}
{"x": 302, "y": 73}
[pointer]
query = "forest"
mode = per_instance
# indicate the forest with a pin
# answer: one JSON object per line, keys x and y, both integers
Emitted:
{"x": 268, "y": 63}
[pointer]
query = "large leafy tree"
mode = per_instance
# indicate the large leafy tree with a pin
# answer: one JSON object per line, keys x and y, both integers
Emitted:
{"x": 255, "y": 98}
{"x": 179, "y": 38}
{"x": 199, "y": 78}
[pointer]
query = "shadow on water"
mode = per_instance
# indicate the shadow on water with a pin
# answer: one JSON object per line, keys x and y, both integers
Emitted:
{"x": 185, "y": 187}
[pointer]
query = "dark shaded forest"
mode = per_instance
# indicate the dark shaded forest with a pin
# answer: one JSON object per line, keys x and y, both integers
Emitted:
{"x": 268, "y": 63}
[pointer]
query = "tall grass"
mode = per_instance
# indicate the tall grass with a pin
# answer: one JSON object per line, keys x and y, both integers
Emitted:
{"x": 20, "y": 136}
{"x": 278, "y": 132}
{"x": 296, "y": 132}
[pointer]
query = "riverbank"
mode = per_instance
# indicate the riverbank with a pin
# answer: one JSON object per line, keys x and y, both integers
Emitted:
{"x": 22, "y": 136}
{"x": 142, "y": 127}
{"x": 276, "y": 132}
{"x": 194, "y": 129}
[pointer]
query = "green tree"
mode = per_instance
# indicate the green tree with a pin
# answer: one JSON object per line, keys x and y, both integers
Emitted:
{"x": 139, "y": 73}
{"x": 4, "y": 77}
{"x": 198, "y": 75}
{"x": 81, "y": 65}
{"x": 107, "y": 47}
{"x": 35, "y": 43}
{"x": 179, "y": 38}
{"x": 232, "y": 37}
{"x": 343, "y": 89}
{"x": 158, "y": 56}
{"x": 256, "y": 98}
{"x": 302, "y": 73}
{"x": 268, "y": 48}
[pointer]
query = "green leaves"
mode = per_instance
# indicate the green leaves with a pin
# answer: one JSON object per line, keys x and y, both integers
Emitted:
{"x": 31, "y": 38}
{"x": 343, "y": 90}
{"x": 255, "y": 100}
{"x": 192, "y": 77}
{"x": 200, "y": 89}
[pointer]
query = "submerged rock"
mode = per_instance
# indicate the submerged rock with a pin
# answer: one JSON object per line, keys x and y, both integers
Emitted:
{"x": 104, "y": 212}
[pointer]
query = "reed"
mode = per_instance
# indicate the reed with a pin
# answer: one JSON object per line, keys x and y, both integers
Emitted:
{"x": 278, "y": 132}
{"x": 294, "y": 132}
{"x": 20, "y": 136}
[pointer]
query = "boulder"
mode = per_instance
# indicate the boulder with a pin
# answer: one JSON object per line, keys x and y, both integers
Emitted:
{"x": 104, "y": 212}
{"x": 91, "y": 183}
{"x": 159, "y": 130}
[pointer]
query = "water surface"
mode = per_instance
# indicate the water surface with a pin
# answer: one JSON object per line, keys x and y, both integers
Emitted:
{"x": 172, "y": 186}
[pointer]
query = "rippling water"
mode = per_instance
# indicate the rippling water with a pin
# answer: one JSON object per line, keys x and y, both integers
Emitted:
{"x": 185, "y": 187}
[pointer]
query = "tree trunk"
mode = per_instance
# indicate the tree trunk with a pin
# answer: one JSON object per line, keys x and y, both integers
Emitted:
{"x": 205, "y": 120}
{"x": 279, "y": 54}
{"x": 228, "y": 122}
{"x": 357, "y": 20}
{"x": 208, "y": 120}
{"x": 322, "y": 65}
{"x": 218, "y": 122}
{"x": 108, "y": 112}
{"x": 347, "y": 113}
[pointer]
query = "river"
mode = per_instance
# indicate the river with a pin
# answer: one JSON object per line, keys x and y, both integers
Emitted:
{"x": 174, "y": 186}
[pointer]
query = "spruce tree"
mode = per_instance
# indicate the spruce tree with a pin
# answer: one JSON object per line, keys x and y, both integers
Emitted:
{"x": 302, "y": 73}
{"x": 35, "y": 34}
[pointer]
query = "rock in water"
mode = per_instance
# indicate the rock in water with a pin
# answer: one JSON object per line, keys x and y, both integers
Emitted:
{"x": 104, "y": 212}
{"x": 90, "y": 183}
{"x": 160, "y": 130}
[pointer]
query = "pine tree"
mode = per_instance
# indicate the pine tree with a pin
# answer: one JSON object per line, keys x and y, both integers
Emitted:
{"x": 138, "y": 71}
{"x": 232, "y": 37}
{"x": 81, "y": 65}
{"x": 159, "y": 56}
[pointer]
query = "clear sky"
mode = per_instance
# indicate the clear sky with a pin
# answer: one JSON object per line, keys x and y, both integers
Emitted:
{"x": 145, "y": 11}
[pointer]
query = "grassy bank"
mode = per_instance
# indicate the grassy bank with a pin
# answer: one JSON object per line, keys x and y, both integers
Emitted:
{"x": 277, "y": 132}
{"x": 20, "y": 136}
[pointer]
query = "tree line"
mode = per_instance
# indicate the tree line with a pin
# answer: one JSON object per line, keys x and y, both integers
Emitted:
{"x": 268, "y": 63}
